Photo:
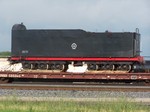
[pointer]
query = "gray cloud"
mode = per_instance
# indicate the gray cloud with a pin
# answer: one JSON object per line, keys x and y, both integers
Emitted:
{"x": 91, "y": 15}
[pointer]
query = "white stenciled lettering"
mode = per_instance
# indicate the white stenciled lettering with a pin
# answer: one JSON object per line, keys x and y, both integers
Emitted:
{"x": 3, "y": 75}
{"x": 25, "y": 51}
{"x": 14, "y": 75}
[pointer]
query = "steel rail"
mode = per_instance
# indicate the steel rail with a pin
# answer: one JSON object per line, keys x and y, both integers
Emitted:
{"x": 75, "y": 87}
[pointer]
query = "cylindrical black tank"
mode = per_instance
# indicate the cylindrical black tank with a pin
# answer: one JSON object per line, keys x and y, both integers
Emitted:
{"x": 73, "y": 43}
{"x": 19, "y": 27}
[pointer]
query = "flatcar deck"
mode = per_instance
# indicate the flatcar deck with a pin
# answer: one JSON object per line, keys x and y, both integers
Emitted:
{"x": 64, "y": 75}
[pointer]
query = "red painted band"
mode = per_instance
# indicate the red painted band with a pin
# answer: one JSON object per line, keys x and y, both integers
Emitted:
{"x": 139, "y": 59}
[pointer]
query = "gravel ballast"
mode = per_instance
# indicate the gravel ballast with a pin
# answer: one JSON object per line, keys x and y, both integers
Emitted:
{"x": 72, "y": 94}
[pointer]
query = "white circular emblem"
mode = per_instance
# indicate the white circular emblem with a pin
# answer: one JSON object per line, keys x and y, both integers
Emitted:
{"x": 73, "y": 45}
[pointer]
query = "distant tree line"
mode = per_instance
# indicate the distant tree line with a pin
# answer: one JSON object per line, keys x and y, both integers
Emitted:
{"x": 5, "y": 54}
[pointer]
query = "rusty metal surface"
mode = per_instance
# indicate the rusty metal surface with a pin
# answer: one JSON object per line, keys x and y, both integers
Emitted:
{"x": 64, "y": 75}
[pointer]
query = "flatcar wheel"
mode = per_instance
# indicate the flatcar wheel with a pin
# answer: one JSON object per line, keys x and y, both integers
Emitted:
{"x": 26, "y": 66}
{"x": 109, "y": 67}
{"x": 51, "y": 66}
{"x": 126, "y": 67}
{"x": 32, "y": 66}
{"x": 101, "y": 67}
{"x": 119, "y": 67}
{"x": 4, "y": 80}
{"x": 42, "y": 66}
{"x": 92, "y": 67}
{"x": 59, "y": 67}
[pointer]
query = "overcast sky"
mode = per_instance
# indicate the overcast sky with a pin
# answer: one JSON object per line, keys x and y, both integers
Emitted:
{"x": 90, "y": 15}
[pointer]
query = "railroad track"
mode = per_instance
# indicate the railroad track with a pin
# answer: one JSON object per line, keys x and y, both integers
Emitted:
{"x": 76, "y": 87}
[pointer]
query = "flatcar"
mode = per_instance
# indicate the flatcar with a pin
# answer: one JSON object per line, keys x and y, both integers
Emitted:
{"x": 63, "y": 49}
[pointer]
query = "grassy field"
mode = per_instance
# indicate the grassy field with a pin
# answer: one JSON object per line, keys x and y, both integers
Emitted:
{"x": 5, "y": 54}
{"x": 15, "y": 105}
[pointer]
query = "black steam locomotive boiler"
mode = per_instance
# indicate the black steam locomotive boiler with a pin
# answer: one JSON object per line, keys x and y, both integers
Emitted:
{"x": 56, "y": 49}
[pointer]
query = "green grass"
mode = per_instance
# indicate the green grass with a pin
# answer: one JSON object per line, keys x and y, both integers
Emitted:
{"x": 5, "y": 54}
{"x": 122, "y": 105}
